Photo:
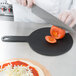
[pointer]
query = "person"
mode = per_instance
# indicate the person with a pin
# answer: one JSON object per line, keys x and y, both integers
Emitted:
{"x": 65, "y": 10}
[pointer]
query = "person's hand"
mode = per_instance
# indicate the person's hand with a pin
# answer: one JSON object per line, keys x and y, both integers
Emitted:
{"x": 68, "y": 17}
{"x": 27, "y": 3}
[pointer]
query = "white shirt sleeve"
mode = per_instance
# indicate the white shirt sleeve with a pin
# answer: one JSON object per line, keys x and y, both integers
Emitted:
{"x": 73, "y": 4}
{"x": 11, "y": 1}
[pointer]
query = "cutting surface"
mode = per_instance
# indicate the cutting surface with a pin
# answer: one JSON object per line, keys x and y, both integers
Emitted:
{"x": 39, "y": 45}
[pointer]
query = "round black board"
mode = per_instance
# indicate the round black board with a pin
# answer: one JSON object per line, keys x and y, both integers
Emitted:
{"x": 38, "y": 43}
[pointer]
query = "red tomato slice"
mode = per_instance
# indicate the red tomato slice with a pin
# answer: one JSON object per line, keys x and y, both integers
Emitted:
{"x": 50, "y": 39}
{"x": 57, "y": 32}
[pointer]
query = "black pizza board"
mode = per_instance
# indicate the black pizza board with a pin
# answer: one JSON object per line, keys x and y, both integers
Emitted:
{"x": 38, "y": 43}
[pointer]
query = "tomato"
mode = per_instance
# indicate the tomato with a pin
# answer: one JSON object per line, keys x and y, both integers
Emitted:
{"x": 57, "y": 32}
{"x": 50, "y": 39}
{"x": 4, "y": 65}
{"x": 34, "y": 71}
{"x": 0, "y": 66}
{"x": 19, "y": 63}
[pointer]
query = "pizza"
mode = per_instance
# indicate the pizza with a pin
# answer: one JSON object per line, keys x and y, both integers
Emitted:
{"x": 22, "y": 67}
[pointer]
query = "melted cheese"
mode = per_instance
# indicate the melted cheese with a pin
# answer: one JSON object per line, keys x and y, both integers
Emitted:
{"x": 18, "y": 71}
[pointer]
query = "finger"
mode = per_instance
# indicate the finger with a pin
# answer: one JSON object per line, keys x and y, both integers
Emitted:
{"x": 24, "y": 2}
{"x": 68, "y": 19}
{"x": 72, "y": 23}
{"x": 29, "y": 3}
{"x": 64, "y": 17}
{"x": 19, "y": 1}
{"x": 60, "y": 16}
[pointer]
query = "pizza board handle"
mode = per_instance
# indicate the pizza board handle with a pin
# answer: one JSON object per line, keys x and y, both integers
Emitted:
{"x": 15, "y": 39}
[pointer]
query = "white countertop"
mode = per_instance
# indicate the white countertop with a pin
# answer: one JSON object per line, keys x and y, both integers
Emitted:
{"x": 63, "y": 65}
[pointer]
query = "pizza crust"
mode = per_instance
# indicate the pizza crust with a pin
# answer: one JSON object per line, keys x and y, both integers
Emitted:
{"x": 45, "y": 71}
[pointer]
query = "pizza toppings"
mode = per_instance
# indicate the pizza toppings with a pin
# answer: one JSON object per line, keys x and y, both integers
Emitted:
{"x": 0, "y": 66}
{"x": 34, "y": 71}
{"x": 19, "y": 63}
{"x": 56, "y": 33}
{"x": 4, "y": 65}
{"x": 18, "y": 71}
{"x": 19, "y": 68}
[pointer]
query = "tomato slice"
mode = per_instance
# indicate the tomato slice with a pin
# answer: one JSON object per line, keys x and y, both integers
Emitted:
{"x": 57, "y": 32}
{"x": 50, "y": 39}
